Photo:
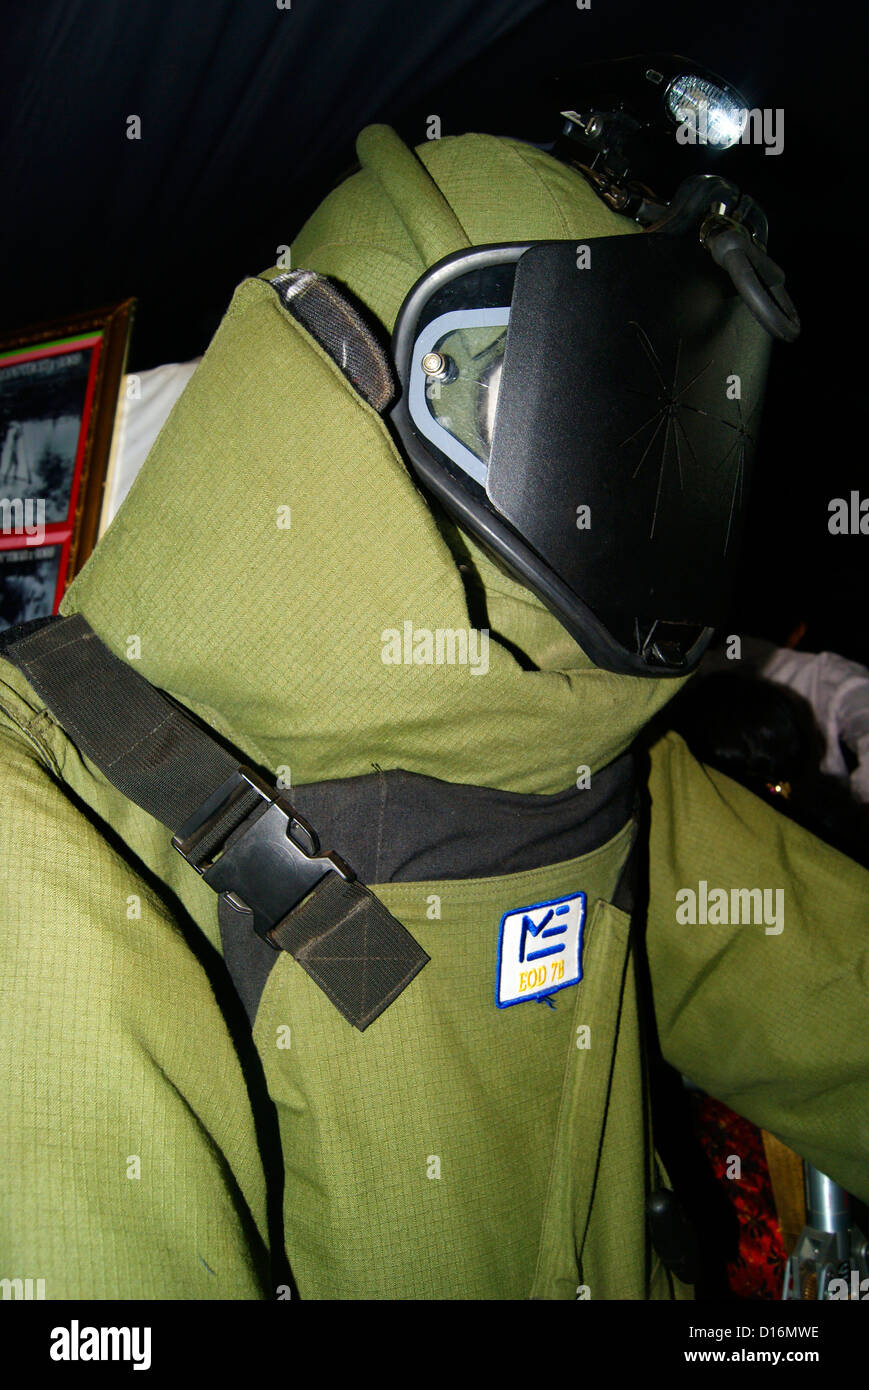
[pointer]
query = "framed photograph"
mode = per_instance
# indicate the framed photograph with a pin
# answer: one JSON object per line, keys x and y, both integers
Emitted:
{"x": 59, "y": 387}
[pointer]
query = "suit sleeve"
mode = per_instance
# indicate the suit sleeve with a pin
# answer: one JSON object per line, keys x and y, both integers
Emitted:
{"x": 774, "y": 1021}
{"x": 128, "y": 1162}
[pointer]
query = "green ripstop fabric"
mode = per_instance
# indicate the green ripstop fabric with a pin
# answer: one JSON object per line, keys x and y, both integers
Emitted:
{"x": 454, "y": 1149}
{"x": 494, "y": 1117}
{"x": 129, "y": 1165}
{"x": 770, "y": 1018}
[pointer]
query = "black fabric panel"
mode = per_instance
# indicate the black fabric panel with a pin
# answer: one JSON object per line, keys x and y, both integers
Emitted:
{"x": 143, "y": 743}
{"x": 394, "y": 827}
{"x": 397, "y": 827}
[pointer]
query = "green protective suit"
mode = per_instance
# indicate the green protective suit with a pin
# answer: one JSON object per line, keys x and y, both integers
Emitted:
{"x": 454, "y": 1149}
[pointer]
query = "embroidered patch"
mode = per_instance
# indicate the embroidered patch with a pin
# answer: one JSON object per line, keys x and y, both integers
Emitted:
{"x": 539, "y": 950}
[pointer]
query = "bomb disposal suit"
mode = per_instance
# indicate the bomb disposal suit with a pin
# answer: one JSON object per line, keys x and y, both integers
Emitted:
{"x": 319, "y": 968}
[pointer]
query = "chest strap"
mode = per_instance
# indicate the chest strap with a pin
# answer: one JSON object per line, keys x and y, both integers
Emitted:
{"x": 235, "y": 830}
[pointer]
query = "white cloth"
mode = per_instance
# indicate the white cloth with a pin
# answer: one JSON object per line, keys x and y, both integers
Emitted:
{"x": 146, "y": 401}
{"x": 837, "y": 690}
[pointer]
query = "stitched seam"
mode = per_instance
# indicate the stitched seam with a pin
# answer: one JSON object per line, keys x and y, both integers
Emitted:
{"x": 563, "y": 1109}
{"x": 580, "y": 1243}
{"x": 544, "y": 185}
{"x": 48, "y": 757}
{"x": 126, "y": 751}
{"x": 380, "y": 822}
{"x": 26, "y": 665}
{"x": 74, "y": 728}
{"x": 81, "y": 637}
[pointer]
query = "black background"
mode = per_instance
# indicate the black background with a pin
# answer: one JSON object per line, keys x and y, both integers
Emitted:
{"x": 249, "y": 113}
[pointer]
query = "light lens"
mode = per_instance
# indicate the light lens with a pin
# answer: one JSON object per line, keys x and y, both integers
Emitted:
{"x": 714, "y": 114}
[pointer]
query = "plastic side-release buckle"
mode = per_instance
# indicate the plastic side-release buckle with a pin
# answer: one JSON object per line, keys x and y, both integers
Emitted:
{"x": 273, "y": 861}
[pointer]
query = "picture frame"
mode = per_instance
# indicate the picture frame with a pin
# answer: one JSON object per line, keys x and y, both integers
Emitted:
{"x": 59, "y": 389}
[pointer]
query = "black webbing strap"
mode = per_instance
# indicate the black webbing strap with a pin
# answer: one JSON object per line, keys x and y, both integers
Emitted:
{"x": 143, "y": 743}
{"x": 339, "y": 328}
{"x": 231, "y": 826}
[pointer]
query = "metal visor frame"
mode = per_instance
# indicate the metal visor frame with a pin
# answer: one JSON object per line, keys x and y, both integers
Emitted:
{"x": 577, "y": 422}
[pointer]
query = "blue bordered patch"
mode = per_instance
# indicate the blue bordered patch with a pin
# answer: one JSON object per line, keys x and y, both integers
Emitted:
{"x": 539, "y": 949}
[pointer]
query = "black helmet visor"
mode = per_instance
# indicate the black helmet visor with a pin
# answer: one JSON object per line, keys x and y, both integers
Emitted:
{"x": 588, "y": 412}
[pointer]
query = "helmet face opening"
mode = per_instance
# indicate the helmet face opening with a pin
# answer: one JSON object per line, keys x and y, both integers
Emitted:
{"x": 588, "y": 413}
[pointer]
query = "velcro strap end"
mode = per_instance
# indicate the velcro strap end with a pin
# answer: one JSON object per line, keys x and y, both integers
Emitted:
{"x": 352, "y": 947}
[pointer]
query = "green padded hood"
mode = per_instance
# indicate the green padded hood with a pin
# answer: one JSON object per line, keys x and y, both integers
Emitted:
{"x": 274, "y": 536}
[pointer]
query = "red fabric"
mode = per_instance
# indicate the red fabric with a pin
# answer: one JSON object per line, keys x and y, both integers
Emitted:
{"x": 758, "y": 1272}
